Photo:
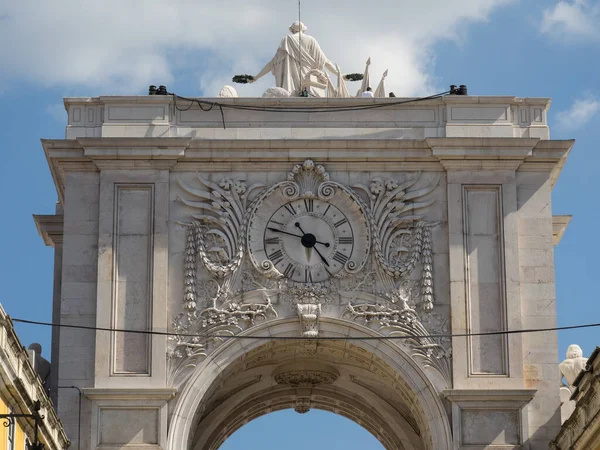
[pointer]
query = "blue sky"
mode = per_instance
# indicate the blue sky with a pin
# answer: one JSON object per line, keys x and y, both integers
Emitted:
{"x": 527, "y": 48}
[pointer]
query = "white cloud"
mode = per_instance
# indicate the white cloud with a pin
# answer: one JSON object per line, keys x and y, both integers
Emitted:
{"x": 574, "y": 19}
{"x": 579, "y": 114}
{"x": 117, "y": 46}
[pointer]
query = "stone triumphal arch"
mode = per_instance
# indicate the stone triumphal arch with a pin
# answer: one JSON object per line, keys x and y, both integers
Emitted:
{"x": 377, "y": 385}
{"x": 305, "y": 260}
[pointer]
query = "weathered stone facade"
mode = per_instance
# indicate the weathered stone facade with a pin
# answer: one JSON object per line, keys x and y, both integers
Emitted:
{"x": 431, "y": 218}
{"x": 582, "y": 429}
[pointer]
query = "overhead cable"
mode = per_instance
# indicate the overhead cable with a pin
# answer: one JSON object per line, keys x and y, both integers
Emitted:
{"x": 298, "y": 338}
{"x": 206, "y": 105}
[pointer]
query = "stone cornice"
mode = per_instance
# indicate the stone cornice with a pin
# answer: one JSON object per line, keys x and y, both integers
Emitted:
{"x": 50, "y": 228}
{"x": 559, "y": 226}
{"x": 451, "y": 154}
{"x": 323, "y": 101}
{"x": 518, "y": 397}
{"x": 165, "y": 394}
{"x": 134, "y": 148}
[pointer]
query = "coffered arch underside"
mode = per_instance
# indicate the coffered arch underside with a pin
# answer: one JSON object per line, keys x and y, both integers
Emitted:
{"x": 373, "y": 383}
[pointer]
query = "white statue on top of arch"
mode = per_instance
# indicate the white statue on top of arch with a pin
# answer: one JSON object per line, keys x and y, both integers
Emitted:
{"x": 297, "y": 56}
{"x": 388, "y": 288}
{"x": 299, "y": 67}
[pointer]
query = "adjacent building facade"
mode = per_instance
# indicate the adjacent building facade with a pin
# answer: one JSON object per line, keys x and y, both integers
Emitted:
{"x": 367, "y": 235}
{"x": 582, "y": 429}
{"x": 20, "y": 389}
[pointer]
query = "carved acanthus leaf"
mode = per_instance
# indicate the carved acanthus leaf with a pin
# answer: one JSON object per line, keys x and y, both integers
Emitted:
{"x": 401, "y": 238}
{"x": 219, "y": 223}
{"x": 430, "y": 351}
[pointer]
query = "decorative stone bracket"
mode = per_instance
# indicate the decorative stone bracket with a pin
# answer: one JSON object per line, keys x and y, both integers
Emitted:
{"x": 305, "y": 375}
{"x": 309, "y": 315}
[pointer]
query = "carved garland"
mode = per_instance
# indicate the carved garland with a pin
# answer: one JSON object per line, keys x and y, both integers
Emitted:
{"x": 216, "y": 237}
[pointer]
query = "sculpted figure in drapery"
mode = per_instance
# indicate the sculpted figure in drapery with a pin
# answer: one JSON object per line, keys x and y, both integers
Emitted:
{"x": 298, "y": 56}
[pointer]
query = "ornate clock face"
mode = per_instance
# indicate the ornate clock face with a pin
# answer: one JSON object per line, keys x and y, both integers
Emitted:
{"x": 309, "y": 240}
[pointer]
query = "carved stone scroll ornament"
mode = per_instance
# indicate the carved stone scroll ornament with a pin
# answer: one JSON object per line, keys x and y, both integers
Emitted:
{"x": 401, "y": 238}
{"x": 213, "y": 308}
{"x": 429, "y": 351}
{"x": 217, "y": 239}
{"x": 219, "y": 225}
{"x": 197, "y": 333}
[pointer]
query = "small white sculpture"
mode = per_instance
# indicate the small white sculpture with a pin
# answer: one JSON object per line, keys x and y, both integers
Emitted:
{"x": 228, "y": 92}
{"x": 570, "y": 367}
{"x": 276, "y": 92}
{"x": 297, "y": 55}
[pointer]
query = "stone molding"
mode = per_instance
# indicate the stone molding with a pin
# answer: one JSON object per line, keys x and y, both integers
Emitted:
{"x": 165, "y": 394}
{"x": 516, "y": 397}
{"x": 185, "y": 154}
{"x": 50, "y": 228}
{"x": 559, "y": 226}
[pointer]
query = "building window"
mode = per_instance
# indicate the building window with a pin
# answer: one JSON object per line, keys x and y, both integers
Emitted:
{"x": 10, "y": 444}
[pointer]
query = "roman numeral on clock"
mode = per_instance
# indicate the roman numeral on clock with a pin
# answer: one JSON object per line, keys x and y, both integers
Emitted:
{"x": 289, "y": 270}
{"x": 290, "y": 208}
{"x": 345, "y": 240}
{"x": 308, "y": 276}
{"x": 277, "y": 223}
{"x": 339, "y": 223}
{"x": 309, "y": 204}
{"x": 340, "y": 257}
{"x": 272, "y": 241}
{"x": 276, "y": 257}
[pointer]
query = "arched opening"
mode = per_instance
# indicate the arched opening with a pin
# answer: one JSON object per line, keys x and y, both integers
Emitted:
{"x": 373, "y": 383}
{"x": 317, "y": 429}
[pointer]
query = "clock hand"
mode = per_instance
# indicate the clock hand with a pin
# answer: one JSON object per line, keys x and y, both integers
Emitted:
{"x": 326, "y": 244}
{"x": 322, "y": 257}
{"x": 284, "y": 232}
{"x": 297, "y": 224}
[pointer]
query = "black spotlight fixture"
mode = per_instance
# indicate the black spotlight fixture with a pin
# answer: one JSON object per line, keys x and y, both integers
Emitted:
{"x": 461, "y": 90}
{"x": 152, "y": 90}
